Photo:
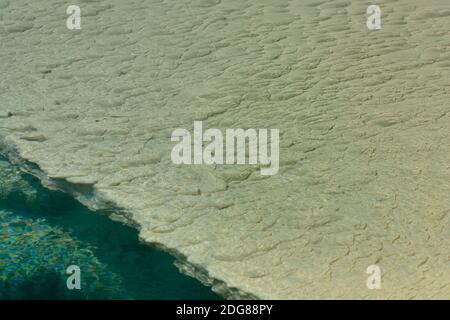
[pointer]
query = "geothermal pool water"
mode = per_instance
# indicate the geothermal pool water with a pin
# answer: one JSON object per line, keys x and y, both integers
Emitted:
{"x": 362, "y": 181}
{"x": 42, "y": 232}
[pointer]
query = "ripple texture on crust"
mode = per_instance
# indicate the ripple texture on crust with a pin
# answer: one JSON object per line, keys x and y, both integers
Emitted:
{"x": 363, "y": 116}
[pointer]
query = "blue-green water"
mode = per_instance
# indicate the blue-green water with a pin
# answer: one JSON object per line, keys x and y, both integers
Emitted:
{"x": 42, "y": 232}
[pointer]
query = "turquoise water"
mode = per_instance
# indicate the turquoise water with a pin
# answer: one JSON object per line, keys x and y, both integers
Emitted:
{"x": 42, "y": 232}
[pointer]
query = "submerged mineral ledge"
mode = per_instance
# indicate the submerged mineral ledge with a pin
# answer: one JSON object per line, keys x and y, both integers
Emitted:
{"x": 363, "y": 116}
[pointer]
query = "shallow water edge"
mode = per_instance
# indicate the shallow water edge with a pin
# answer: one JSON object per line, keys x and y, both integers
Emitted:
{"x": 48, "y": 229}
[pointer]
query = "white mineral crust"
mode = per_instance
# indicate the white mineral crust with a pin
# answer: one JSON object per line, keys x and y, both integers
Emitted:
{"x": 364, "y": 133}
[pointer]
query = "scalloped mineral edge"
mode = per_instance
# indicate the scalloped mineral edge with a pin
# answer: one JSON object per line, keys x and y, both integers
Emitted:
{"x": 363, "y": 119}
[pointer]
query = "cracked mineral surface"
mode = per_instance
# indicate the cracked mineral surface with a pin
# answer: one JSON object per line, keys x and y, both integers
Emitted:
{"x": 363, "y": 116}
